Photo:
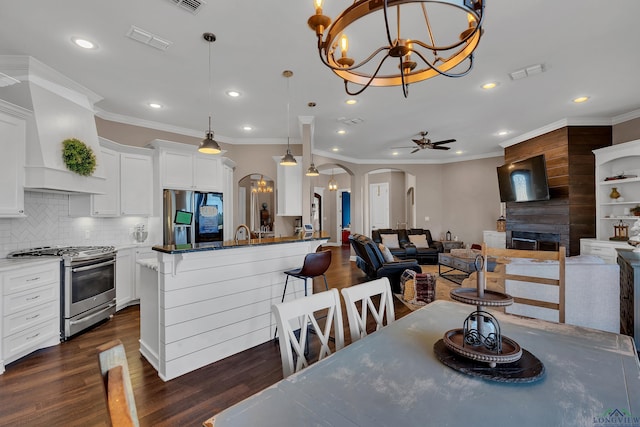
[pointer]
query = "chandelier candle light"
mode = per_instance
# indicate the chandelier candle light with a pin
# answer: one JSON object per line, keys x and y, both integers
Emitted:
{"x": 435, "y": 52}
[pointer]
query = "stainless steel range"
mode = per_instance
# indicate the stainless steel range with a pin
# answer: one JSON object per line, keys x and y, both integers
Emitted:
{"x": 87, "y": 284}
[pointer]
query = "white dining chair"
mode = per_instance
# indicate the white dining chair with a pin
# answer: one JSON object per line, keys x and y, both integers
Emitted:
{"x": 363, "y": 293}
{"x": 300, "y": 314}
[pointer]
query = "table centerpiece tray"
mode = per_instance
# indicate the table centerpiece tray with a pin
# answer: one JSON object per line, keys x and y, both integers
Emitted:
{"x": 489, "y": 299}
{"x": 527, "y": 369}
{"x": 455, "y": 341}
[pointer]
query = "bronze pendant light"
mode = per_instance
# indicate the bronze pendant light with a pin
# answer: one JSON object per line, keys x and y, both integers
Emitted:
{"x": 288, "y": 159}
{"x": 209, "y": 145}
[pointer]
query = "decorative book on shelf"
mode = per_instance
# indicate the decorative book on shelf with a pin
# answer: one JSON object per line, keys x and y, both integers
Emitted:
{"x": 613, "y": 178}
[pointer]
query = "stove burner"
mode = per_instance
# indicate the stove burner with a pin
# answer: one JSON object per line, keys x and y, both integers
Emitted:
{"x": 74, "y": 252}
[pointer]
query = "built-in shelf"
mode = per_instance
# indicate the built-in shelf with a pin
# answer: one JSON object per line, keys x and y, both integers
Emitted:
{"x": 623, "y": 217}
{"x": 619, "y": 181}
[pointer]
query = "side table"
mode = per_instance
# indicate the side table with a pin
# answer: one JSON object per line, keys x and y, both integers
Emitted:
{"x": 452, "y": 244}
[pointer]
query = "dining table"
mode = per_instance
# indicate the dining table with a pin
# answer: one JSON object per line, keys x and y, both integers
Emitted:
{"x": 393, "y": 377}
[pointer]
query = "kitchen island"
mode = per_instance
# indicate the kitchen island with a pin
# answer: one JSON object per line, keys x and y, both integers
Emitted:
{"x": 200, "y": 303}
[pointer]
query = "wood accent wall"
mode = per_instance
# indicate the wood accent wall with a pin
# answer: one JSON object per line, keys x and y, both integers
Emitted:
{"x": 571, "y": 210}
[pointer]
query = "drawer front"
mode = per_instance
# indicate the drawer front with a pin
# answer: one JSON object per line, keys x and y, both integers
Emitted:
{"x": 29, "y": 318}
{"x": 28, "y": 278}
{"x": 600, "y": 250}
{"x": 17, "y": 302}
{"x": 29, "y": 340}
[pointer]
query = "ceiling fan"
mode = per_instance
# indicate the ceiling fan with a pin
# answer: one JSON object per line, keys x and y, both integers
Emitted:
{"x": 425, "y": 142}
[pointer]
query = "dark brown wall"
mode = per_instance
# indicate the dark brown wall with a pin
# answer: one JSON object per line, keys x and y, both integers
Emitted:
{"x": 570, "y": 212}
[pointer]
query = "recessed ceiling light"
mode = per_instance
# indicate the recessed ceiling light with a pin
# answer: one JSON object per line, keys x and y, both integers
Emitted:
{"x": 155, "y": 105}
{"x": 335, "y": 149}
{"x": 459, "y": 152}
{"x": 489, "y": 85}
{"x": 503, "y": 133}
{"x": 247, "y": 128}
{"x": 341, "y": 132}
{"x": 84, "y": 43}
{"x": 395, "y": 153}
{"x": 351, "y": 101}
{"x": 580, "y": 99}
{"x": 233, "y": 93}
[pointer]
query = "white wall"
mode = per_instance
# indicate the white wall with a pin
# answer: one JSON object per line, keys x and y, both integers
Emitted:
{"x": 48, "y": 224}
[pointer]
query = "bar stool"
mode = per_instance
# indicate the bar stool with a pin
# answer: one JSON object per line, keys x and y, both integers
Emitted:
{"x": 315, "y": 264}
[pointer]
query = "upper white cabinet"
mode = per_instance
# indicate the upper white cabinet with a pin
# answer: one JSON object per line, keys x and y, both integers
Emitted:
{"x": 12, "y": 138}
{"x": 617, "y": 166}
{"x": 136, "y": 184}
{"x": 289, "y": 189}
{"x": 183, "y": 168}
{"x": 129, "y": 184}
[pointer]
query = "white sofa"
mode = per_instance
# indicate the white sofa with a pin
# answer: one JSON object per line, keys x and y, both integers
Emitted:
{"x": 592, "y": 291}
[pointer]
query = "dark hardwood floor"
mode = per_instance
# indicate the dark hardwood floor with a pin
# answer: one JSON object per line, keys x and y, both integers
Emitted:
{"x": 61, "y": 385}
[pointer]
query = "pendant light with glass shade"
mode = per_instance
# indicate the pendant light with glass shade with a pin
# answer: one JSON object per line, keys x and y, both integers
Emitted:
{"x": 209, "y": 145}
{"x": 313, "y": 170}
{"x": 333, "y": 184}
{"x": 288, "y": 159}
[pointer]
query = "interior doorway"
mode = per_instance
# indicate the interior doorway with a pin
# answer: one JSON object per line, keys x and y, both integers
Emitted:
{"x": 316, "y": 212}
{"x": 379, "y": 205}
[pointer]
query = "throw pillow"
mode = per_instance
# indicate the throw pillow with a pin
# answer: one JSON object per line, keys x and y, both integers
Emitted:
{"x": 419, "y": 240}
{"x": 390, "y": 240}
{"x": 386, "y": 253}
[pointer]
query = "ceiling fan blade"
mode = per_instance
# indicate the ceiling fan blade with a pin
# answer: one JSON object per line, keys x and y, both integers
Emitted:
{"x": 393, "y": 148}
{"x": 446, "y": 141}
{"x": 437, "y": 147}
{"x": 415, "y": 151}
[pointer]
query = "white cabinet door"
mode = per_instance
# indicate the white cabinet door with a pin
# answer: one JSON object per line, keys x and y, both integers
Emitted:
{"x": 289, "y": 187}
{"x": 207, "y": 174}
{"x": 12, "y": 138}
{"x": 144, "y": 252}
{"x": 124, "y": 278}
{"x": 136, "y": 184}
{"x": 177, "y": 170}
{"x": 108, "y": 204}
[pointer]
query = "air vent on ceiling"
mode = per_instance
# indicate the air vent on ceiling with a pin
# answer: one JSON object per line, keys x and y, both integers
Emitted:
{"x": 147, "y": 38}
{"x": 350, "y": 122}
{"x": 527, "y": 72}
{"x": 192, "y": 6}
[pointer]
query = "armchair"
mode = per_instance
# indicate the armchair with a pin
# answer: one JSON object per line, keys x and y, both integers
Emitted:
{"x": 370, "y": 260}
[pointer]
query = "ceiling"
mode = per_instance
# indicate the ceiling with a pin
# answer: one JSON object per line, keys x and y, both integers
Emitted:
{"x": 585, "y": 47}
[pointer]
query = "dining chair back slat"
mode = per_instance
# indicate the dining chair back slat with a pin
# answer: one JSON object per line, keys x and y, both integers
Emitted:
{"x": 364, "y": 293}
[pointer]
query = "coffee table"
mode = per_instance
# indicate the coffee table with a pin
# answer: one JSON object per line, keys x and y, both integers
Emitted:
{"x": 459, "y": 268}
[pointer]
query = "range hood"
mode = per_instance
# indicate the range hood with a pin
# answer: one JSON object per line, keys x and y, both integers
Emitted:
{"x": 61, "y": 109}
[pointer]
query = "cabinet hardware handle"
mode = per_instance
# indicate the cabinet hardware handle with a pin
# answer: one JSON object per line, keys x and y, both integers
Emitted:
{"x": 32, "y": 298}
{"x": 33, "y": 279}
{"x": 33, "y": 317}
{"x": 33, "y": 336}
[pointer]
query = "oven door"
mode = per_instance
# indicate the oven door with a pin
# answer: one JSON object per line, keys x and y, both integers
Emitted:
{"x": 89, "y": 284}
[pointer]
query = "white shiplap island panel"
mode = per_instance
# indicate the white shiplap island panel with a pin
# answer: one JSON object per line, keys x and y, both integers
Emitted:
{"x": 202, "y": 306}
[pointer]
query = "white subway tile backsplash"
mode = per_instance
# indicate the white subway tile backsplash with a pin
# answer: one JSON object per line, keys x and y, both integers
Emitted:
{"x": 47, "y": 223}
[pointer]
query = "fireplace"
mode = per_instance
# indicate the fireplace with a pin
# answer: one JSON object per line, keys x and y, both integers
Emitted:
{"x": 532, "y": 241}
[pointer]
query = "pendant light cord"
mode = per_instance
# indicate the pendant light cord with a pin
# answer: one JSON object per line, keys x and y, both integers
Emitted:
{"x": 288, "y": 114}
{"x": 210, "y": 102}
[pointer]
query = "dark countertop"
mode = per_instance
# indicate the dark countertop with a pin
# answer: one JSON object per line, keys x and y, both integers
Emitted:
{"x": 231, "y": 244}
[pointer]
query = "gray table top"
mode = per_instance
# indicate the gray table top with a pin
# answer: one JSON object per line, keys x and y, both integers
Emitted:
{"x": 393, "y": 378}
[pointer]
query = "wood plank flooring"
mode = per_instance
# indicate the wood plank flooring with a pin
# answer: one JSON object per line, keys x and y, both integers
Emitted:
{"x": 61, "y": 385}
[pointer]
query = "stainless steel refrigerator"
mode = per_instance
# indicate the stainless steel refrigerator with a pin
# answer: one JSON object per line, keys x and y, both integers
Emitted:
{"x": 192, "y": 217}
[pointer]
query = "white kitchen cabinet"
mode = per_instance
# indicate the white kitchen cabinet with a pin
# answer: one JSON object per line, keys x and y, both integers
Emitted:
{"x": 136, "y": 184}
{"x": 12, "y": 160}
{"x": 125, "y": 277}
{"x": 30, "y": 308}
{"x": 289, "y": 189}
{"x": 495, "y": 239}
{"x": 616, "y": 160}
{"x": 129, "y": 184}
{"x": 183, "y": 168}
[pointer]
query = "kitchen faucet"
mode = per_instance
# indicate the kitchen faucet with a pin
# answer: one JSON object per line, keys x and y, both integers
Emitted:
{"x": 241, "y": 226}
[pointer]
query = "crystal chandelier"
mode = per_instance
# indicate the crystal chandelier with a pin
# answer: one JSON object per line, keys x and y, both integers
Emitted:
{"x": 422, "y": 48}
{"x": 261, "y": 186}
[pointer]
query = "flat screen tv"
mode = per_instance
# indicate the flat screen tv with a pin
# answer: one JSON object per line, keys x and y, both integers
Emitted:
{"x": 524, "y": 181}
